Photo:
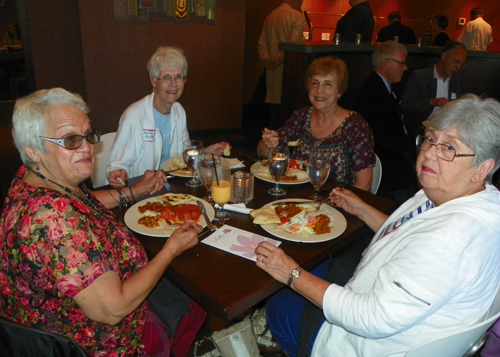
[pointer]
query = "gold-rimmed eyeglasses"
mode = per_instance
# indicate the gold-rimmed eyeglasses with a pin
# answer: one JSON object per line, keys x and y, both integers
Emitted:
{"x": 445, "y": 152}
{"x": 73, "y": 142}
{"x": 179, "y": 78}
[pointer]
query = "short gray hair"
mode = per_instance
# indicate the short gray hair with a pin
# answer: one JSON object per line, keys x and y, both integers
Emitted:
{"x": 167, "y": 57}
{"x": 477, "y": 122}
{"x": 386, "y": 50}
{"x": 31, "y": 114}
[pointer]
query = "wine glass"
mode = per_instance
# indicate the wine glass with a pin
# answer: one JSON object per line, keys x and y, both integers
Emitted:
{"x": 277, "y": 161}
{"x": 193, "y": 151}
{"x": 318, "y": 170}
{"x": 221, "y": 192}
{"x": 207, "y": 174}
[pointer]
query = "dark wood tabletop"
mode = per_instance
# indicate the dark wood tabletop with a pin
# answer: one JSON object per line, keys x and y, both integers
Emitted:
{"x": 228, "y": 285}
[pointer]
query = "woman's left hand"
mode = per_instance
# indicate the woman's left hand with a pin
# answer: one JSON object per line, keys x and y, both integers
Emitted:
{"x": 150, "y": 183}
{"x": 275, "y": 262}
{"x": 218, "y": 148}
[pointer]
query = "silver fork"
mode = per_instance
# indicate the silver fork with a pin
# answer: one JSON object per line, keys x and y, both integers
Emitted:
{"x": 325, "y": 200}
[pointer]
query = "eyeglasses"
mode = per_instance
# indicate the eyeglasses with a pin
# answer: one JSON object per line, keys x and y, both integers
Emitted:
{"x": 401, "y": 63}
{"x": 73, "y": 142}
{"x": 457, "y": 62}
{"x": 179, "y": 78}
{"x": 445, "y": 152}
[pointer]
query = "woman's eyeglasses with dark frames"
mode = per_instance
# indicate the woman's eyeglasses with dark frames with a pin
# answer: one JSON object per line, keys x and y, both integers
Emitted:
{"x": 443, "y": 151}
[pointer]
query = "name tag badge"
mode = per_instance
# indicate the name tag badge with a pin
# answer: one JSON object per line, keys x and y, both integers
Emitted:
{"x": 148, "y": 136}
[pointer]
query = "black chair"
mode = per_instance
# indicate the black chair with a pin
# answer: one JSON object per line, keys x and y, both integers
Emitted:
{"x": 18, "y": 340}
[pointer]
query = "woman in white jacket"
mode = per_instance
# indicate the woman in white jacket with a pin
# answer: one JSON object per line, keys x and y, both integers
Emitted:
{"x": 154, "y": 128}
{"x": 431, "y": 268}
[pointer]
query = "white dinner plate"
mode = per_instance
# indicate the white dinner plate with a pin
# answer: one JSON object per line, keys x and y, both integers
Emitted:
{"x": 168, "y": 164}
{"x": 262, "y": 172}
{"x": 338, "y": 225}
{"x": 132, "y": 217}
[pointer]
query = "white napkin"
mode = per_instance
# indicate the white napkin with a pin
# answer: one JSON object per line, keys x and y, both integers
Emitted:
{"x": 232, "y": 163}
{"x": 236, "y": 207}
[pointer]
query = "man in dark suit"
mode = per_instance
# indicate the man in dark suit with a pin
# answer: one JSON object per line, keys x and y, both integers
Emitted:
{"x": 396, "y": 28}
{"x": 358, "y": 20}
{"x": 379, "y": 106}
{"x": 429, "y": 88}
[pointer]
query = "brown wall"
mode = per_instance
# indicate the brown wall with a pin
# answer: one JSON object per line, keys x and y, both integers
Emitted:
{"x": 115, "y": 54}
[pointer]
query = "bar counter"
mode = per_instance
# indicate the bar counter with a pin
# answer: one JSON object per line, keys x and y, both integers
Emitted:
{"x": 481, "y": 76}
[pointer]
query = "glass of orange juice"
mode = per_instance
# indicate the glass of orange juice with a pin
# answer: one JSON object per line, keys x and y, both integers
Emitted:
{"x": 221, "y": 192}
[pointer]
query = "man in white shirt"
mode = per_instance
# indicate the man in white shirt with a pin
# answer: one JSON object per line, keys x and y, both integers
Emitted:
{"x": 477, "y": 34}
{"x": 430, "y": 88}
{"x": 284, "y": 24}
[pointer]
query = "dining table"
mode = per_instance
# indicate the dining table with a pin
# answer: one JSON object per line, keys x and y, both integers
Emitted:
{"x": 228, "y": 285}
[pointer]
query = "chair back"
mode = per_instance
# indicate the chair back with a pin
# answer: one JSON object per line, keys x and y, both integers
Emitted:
{"x": 18, "y": 340}
{"x": 102, "y": 150}
{"x": 458, "y": 343}
{"x": 377, "y": 175}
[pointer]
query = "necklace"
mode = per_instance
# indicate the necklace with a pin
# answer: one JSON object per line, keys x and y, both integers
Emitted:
{"x": 88, "y": 200}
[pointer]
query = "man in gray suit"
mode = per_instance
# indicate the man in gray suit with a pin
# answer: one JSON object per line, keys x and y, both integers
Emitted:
{"x": 429, "y": 88}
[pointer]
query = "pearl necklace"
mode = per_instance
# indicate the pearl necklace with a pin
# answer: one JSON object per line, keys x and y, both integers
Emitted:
{"x": 88, "y": 200}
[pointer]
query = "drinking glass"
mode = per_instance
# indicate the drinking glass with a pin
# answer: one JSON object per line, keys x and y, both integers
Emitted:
{"x": 318, "y": 170}
{"x": 193, "y": 151}
{"x": 221, "y": 193}
{"x": 277, "y": 161}
{"x": 207, "y": 174}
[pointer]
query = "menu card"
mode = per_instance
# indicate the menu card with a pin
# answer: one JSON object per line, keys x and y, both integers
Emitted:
{"x": 237, "y": 241}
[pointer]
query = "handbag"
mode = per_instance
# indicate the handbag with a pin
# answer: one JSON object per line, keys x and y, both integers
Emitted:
{"x": 237, "y": 340}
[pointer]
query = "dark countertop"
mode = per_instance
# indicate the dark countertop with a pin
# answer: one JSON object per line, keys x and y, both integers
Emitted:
{"x": 329, "y": 46}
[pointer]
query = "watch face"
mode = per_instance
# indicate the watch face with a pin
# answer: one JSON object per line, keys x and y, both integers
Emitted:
{"x": 295, "y": 273}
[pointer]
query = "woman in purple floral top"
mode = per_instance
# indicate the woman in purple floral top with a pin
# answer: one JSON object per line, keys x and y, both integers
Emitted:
{"x": 327, "y": 129}
{"x": 67, "y": 265}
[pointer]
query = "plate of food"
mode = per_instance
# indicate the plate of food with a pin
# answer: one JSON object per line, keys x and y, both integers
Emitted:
{"x": 297, "y": 220}
{"x": 177, "y": 163}
{"x": 159, "y": 216}
{"x": 296, "y": 172}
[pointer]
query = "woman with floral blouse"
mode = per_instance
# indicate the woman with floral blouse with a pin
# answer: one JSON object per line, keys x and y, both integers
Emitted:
{"x": 328, "y": 130}
{"x": 67, "y": 265}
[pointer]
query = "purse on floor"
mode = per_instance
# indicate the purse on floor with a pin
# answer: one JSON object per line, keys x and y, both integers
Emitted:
{"x": 237, "y": 340}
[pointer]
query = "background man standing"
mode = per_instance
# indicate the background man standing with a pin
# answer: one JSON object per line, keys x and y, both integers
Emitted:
{"x": 379, "y": 105}
{"x": 358, "y": 20}
{"x": 396, "y": 28}
{"x": 285, "y": 23}
{"x": 429, "y": 88}
{"x": 477, "y": 34}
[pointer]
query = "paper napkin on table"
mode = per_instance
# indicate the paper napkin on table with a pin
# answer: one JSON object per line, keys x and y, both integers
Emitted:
{"x": 236, "y": 207}
{"x": 232, "y": 163}
{"x": 237, "y": 241}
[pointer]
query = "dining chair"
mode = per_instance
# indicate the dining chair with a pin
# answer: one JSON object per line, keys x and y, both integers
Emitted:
{"x": 464, "y": 343}
{"x": 377, "y": 175}
{"x": 102, "y": 150}
{"x": 19, "y": 340}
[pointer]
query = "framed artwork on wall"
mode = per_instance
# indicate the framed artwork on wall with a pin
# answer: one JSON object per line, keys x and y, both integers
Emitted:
{"x": 180, "y": 9}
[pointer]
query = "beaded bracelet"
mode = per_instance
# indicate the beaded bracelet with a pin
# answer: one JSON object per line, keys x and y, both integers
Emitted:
{"x": 123, "y": 200}
{"x": 131, "y": 194}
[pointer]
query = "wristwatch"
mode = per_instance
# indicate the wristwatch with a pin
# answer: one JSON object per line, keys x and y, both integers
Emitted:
{"x": 294, "y": 274}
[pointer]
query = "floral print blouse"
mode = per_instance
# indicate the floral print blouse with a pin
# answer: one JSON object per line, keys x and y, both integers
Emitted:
{"x": 47, "y": 256}
{"x": 349, "y": 147}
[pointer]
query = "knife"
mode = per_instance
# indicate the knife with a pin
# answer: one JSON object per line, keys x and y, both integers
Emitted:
{"x": 295, "y": 202}
{"x": 210, "y": 225}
